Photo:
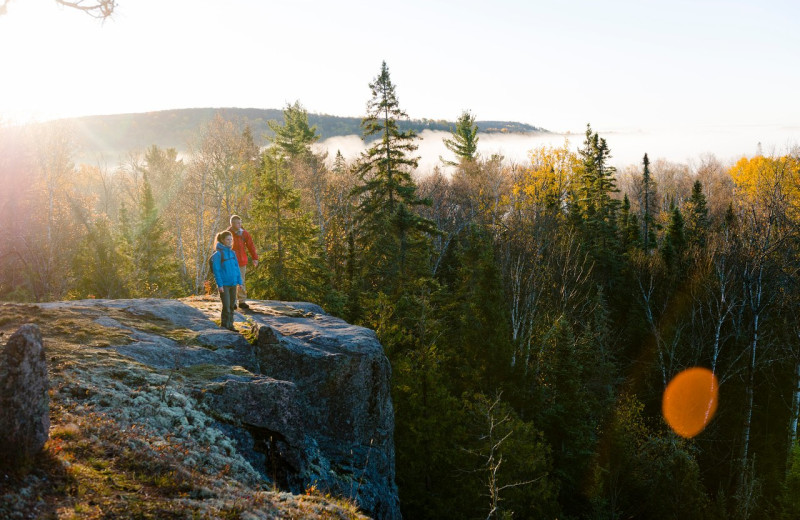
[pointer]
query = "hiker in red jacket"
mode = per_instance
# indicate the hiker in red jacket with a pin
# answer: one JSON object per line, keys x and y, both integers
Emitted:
{"x": 242, "y": 240}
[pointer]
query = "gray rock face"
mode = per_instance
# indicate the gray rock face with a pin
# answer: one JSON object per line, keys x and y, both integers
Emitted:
{"x": 323, "y": 414}
{"x": 24, "y": 402}
{"x": 342, "y": 379}
{"x": 307, "y": 402}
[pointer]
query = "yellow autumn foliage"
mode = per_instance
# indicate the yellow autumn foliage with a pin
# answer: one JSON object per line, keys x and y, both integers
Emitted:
{"x": 767, "y": 181}
{"x": 548, "y": 177}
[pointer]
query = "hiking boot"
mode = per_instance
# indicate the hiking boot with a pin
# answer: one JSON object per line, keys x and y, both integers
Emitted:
{"x": 243, "y": 305}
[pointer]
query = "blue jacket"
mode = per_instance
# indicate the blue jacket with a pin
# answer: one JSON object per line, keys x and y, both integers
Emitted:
{"x": 226, "y": 267}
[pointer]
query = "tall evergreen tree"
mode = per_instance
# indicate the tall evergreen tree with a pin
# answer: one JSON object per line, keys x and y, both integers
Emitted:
{"x": 385, "y": 168}
{"x": 339, "y": 217}
{"x": 648, "y": 206}
{"x": 475, "y": 316}
{"x": 628, "y": 225}
{"x": 308, "y": 172}
{"x": 167, "y": 175}
{"x": 674, "y": 243}
{"x": 464, "y": 141}
{"x": 293, "y": 266}
{"x": 387, "y": 193}
{"x": 598, "y": 207}
{"x": 294, "y": 136}
{"x": 597, "y": 182}
{"x": 697, "y": 219}
{"x": 98, "y": 262}
{"x": 155, "y": 270}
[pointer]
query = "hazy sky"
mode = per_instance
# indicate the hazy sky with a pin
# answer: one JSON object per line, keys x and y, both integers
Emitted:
{"x": 624, "y": 66}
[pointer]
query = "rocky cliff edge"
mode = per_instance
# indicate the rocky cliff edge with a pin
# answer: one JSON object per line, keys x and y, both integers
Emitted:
{"x": 290, "y": 417}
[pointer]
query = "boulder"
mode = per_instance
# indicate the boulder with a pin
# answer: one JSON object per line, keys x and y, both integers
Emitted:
{"x": 24, "y": 401}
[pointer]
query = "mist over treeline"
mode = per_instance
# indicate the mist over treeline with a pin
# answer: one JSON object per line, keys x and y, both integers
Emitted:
{"x": 533, "y": 309}
{"x": 687, "y": 146}
{"x": 110, "y": 139}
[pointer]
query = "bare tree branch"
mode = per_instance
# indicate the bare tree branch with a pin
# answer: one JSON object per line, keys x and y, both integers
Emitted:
{"x": 101, "y": 9}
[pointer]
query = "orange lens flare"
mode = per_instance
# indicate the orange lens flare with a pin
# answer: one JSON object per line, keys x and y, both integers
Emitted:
{"x": 690, "y": 401}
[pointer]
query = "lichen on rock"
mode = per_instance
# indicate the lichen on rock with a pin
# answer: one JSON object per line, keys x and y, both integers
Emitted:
{"x": 298, "y": 406}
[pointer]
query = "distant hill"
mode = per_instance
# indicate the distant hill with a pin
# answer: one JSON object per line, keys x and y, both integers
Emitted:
{"x": 114, "y": 135}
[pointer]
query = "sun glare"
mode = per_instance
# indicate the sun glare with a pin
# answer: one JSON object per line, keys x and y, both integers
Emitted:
{"x": 42, "y": 80}
{"x": 690, "y": 401}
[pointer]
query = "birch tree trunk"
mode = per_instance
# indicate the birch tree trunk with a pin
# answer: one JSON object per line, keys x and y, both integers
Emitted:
{"x": 795, "y": 407}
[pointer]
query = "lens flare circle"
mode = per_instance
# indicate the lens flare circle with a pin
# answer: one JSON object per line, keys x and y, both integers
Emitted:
{"x": 690, "y": 401}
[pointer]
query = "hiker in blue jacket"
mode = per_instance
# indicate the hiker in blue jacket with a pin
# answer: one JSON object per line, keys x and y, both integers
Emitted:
{"x": 225, "y": 266}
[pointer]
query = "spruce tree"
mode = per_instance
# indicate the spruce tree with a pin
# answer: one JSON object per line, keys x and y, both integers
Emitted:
{"x": 385, "y": 168}
{"x": 292, "y": 260}
{"x": 387, "y": 194}
{"x": 598, "y": 208}
{"x": 155, "y": 270}
{"x": 624, "y": 222}
{"x": 674, "y": 243}
{"x": 647, "y": 206}
{"x": 597, "y": 184}
{"x": 98, "y": 263}
{"x": 475, "y": 316}
{"x": 464, "y": 141}
{"x": 697, "y": 219}
{"x": 308, "y": 173}
{"x": 339, "y": 217}
{"x": 294, "y": 136}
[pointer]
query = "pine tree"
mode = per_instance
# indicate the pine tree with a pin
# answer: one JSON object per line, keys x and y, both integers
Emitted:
{"x": 598, "y": 183}
{"x": 648, "y": 206}
{"x": 98, "y": 263}
{"x": 598, "y": 208}
{"x": 309, "y": 175}
{"x": 475, "y": 315}
{"x": 674, "y": 243}
{"x": 339, "y": 215}
{"x": 353, "y": 308}
{"x": 628, "y": 225}
{"x": 292, "y": 260}
{"x": 577, "y": 375}
{"x": 125, "y": 230}
{"x": 697, "y": 219}
{"x": 387, "y": 193}
{"x": 385, "y": 168}
{"x": 464, "y": 141}
{"x": 155, "y": 270}
{"x": 294, "y": 136}
{"x": 167, "y": 176}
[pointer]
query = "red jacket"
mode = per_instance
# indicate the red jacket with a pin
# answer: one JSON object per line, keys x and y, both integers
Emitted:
{"x": 239, "y": 243}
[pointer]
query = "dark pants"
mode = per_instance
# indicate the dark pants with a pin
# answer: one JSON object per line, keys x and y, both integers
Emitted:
{"x": 228, "y": 297}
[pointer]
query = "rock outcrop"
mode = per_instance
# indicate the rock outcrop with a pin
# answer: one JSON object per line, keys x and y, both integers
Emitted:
{"x": 325, "y": 410}
{"x": 302, "y": 396}
{"x": 24, "y": 401}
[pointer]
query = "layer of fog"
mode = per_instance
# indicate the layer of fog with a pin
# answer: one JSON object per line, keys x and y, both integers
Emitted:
{"x": 727, "y": 144}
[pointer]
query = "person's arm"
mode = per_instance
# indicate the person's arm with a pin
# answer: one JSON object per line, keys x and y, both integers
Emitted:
{"x": 239, "y": 280}
{"x": 216, "y": 268}
{"x": 251, "y": 247}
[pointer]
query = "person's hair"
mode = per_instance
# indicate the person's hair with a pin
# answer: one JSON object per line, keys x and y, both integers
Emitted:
{"x": 221, "y": 236}
{"x": 235, "y": 217}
